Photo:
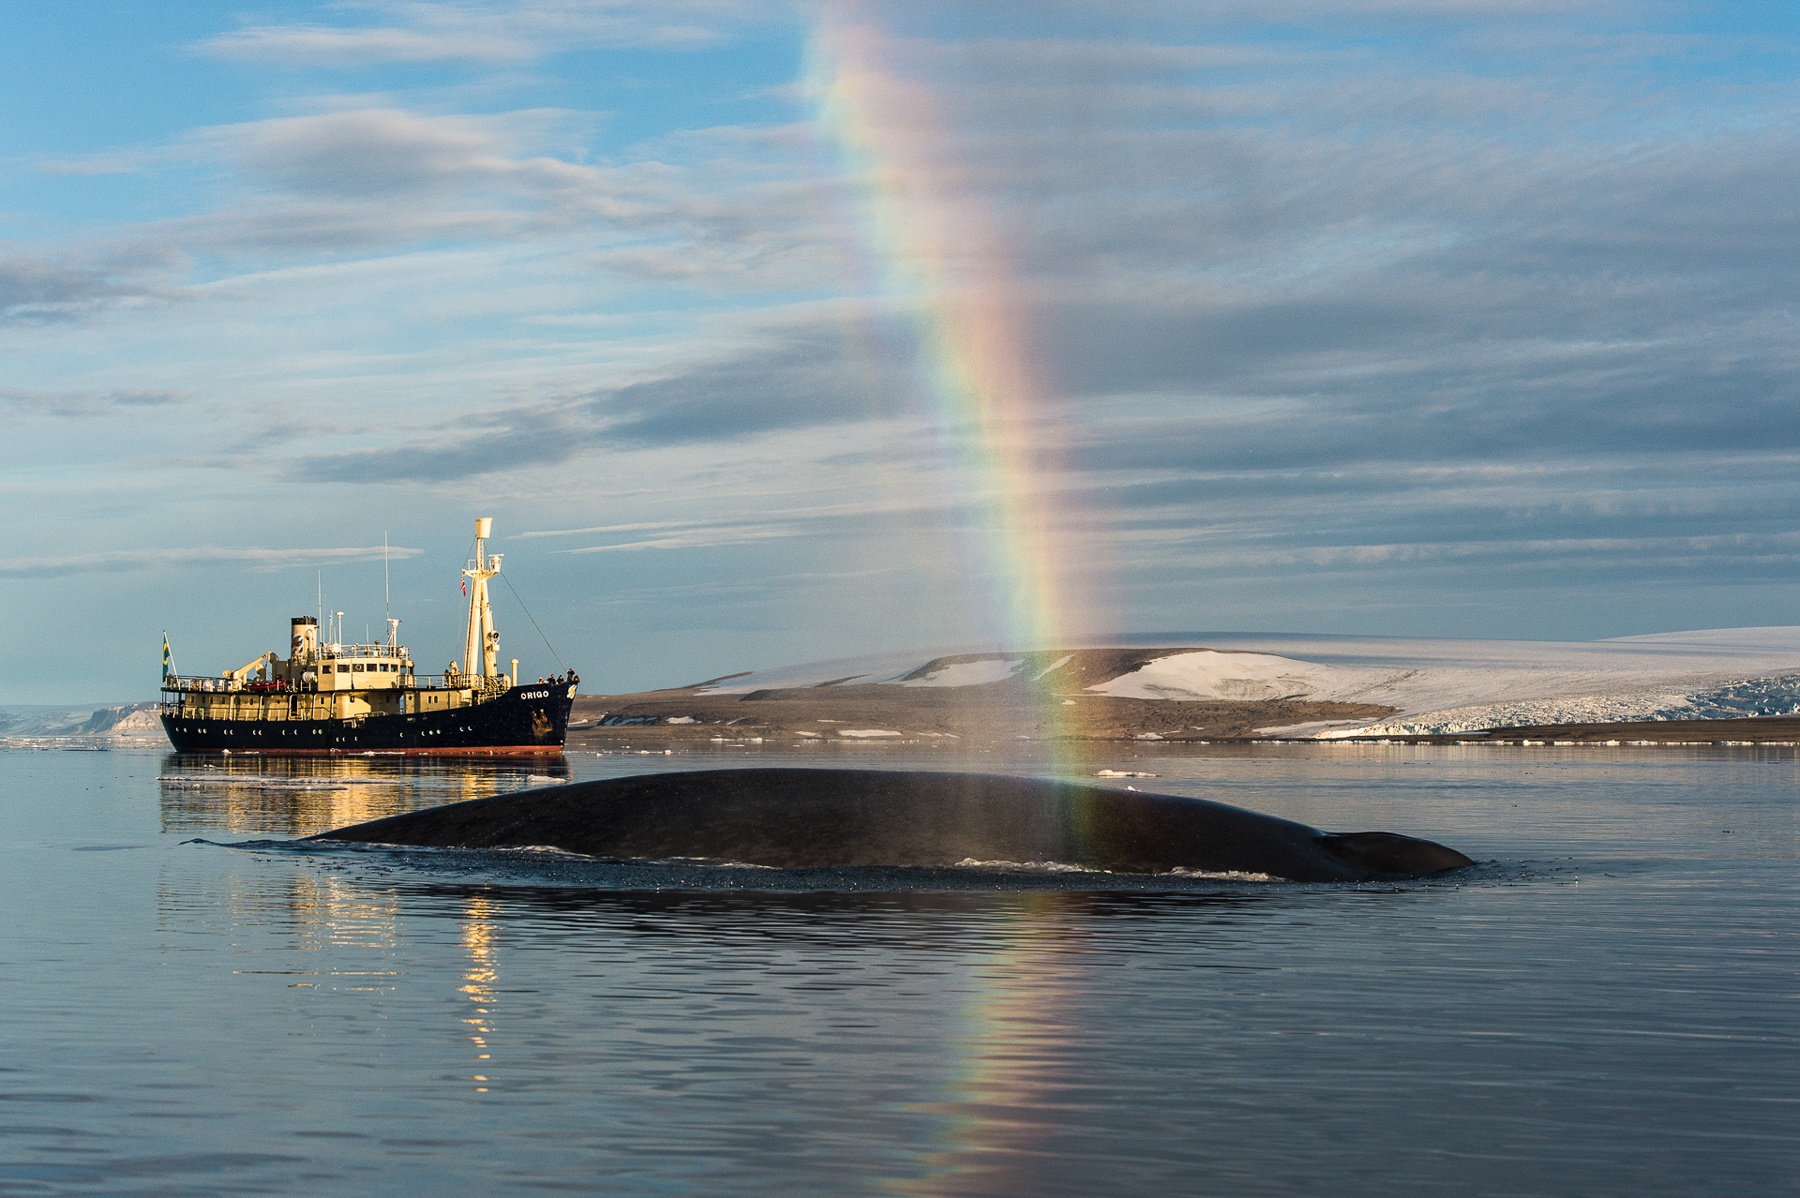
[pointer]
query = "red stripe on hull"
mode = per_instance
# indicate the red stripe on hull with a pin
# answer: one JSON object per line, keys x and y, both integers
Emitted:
{"x": 484, "y": 751}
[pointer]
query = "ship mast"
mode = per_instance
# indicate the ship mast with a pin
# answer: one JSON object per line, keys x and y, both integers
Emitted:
{"x": 481, "y": 648}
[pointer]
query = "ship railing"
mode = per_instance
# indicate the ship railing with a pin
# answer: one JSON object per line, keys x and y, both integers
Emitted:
{"x": 366, "y": 649}
{"x": 487, "y": 688}
{"x": 235, "y": 686}
{"x": 180, "y": 682}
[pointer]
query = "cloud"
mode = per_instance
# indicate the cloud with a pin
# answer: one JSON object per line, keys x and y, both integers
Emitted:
{"x": 34, "y": 289}
{"x": 83, "y": 404}
{"x": 370, "y": 152}
{"x": 1394, "y": 255}
{"x": 723, "y": 210}
{"x": 785, "y": 378}
{"x": 1246, "y": 301}
{"x": 794, "y": 521}
{"x": 701, "y": 537}
{"x": 99, "y": 164}
{"x": 128, "y": 560}
{"x": 367, "y": 178}
{"x": 809, "y": 377}
{"x": 522, "y": 437}
{"x": 491, "y": 33}
{"x": 338, "y": 46}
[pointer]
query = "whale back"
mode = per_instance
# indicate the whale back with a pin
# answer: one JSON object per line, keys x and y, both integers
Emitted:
{"x": 824, "y": 818}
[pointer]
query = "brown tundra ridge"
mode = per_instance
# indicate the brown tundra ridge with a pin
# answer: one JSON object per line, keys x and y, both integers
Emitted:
{"x": 1057, "y": 706}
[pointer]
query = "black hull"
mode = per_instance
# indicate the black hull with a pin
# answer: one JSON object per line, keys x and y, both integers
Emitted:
{"x": 526, "y": 719}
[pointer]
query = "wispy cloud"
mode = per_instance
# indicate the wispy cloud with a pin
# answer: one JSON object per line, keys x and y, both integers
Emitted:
{"x": 724, "y": 211}
{"x": 45, "y": 289}
{"x": 779, "y": 523}
{"x": 129, "y": 560}
{"x": 782, "y": 377}
{"x": 701, "y": 537}
{"x": 483, "y": 32}
{"x": 83, "y": 404}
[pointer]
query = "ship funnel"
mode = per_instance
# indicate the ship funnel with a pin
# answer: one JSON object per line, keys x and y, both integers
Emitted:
{"x": 305, "y": 645}
{"x": 484, "y": 527}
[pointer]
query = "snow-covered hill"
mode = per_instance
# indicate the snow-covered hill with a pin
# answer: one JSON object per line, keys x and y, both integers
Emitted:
{"x": 124, "y": 723}
{"x": 1435, "y": 685}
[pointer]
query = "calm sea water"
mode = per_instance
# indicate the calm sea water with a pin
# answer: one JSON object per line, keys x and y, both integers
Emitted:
{"x": 1609, "y": 1004}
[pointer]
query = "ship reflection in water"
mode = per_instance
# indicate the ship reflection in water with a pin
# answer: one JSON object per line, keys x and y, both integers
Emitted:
{"x": 479, "y": 981}
{"x": 299, "y": 796}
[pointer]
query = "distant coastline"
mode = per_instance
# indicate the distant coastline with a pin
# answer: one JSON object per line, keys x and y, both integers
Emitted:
{"x": 61, "y": 726}
{"x": 1238, "y": 687}
{"x": 1705, "y": 687}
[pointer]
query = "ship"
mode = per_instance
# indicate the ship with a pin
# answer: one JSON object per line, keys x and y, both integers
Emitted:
{"x": 328, "y": 696}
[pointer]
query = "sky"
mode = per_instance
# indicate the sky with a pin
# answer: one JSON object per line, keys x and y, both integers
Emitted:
{"x": 774, "y": 332}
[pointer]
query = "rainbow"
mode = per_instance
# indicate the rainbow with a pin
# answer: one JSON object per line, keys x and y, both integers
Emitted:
{"x": 941, "y": 255}
{"x": 1011, "y": 1057}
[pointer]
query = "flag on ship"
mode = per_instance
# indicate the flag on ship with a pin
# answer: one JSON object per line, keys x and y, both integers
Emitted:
{"x": 165, "y": 672}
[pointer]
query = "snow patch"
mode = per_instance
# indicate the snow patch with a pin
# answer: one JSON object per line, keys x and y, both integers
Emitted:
{"x": 1209, "y": 674}
{"x": 970, "y": 673}
{"x": 1312, "y": 729}
{"x": 1778, "y": 695}
{"x": 883, "y": 667}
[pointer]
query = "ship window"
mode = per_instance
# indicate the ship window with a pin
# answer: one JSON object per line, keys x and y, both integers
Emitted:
{"x": 327, "y": 668}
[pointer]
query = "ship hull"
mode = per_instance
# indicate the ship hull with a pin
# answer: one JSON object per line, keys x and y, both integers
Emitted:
{"x": 525, "y": 719}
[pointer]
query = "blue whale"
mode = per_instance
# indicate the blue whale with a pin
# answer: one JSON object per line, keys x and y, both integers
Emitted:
{"x": 832, "y": 818}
